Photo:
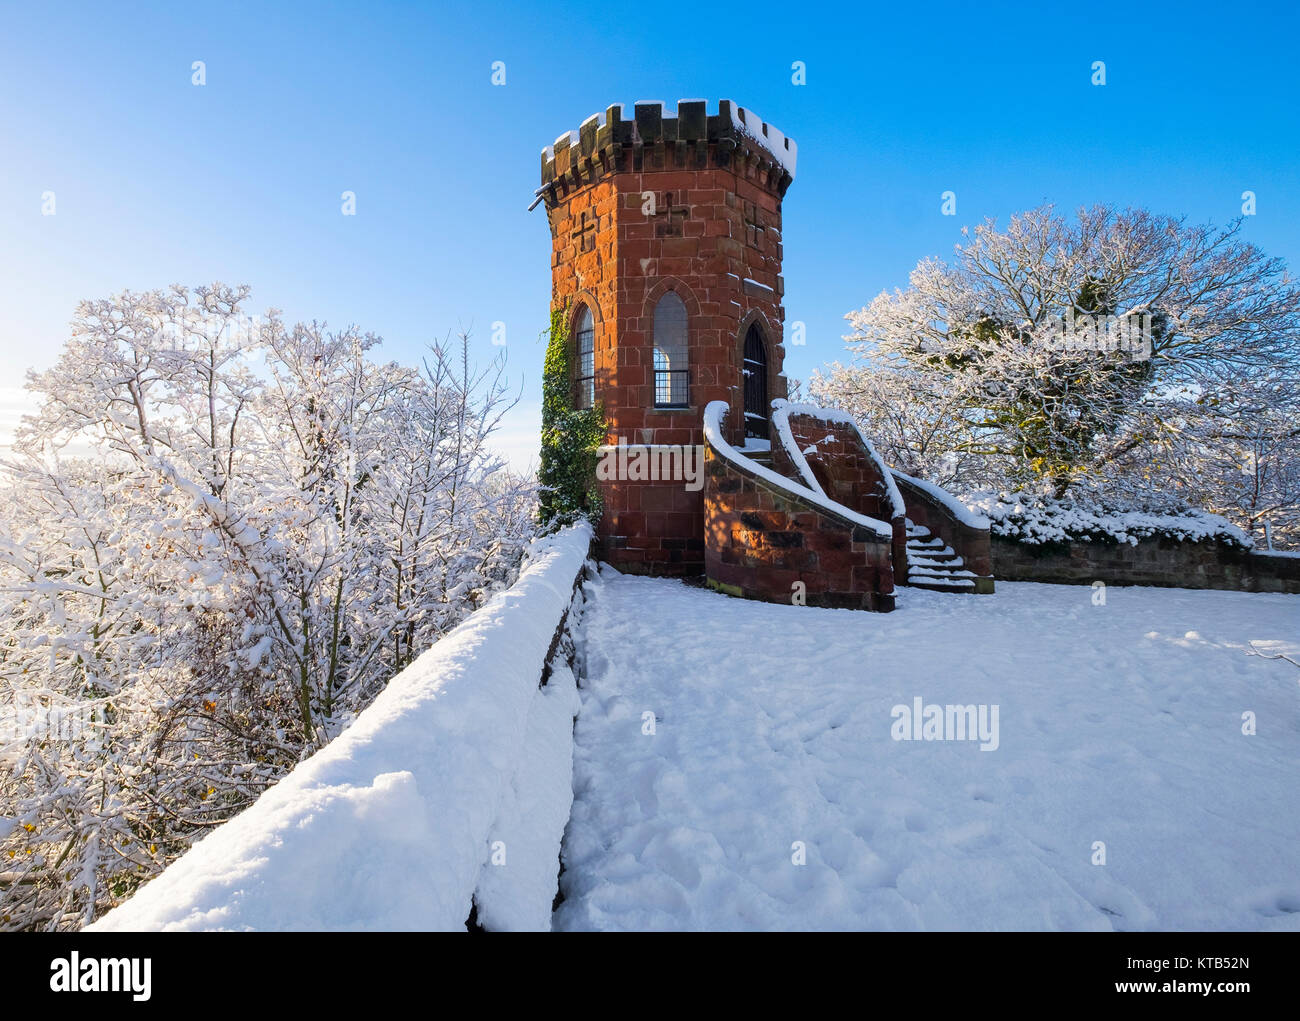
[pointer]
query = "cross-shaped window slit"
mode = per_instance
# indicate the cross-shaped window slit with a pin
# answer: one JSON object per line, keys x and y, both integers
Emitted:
{"x": 671, "y": 218}
{"x": 754, "y": 229}
{"x": 585, "y": 234}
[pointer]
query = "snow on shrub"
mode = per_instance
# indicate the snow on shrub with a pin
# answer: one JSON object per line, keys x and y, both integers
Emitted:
{"x": 1039, "y": 519}
{"x": 460, "y": 766}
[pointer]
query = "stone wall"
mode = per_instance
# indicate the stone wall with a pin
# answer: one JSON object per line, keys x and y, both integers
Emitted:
{"x": 413, "y": 752}
{"x": 760, "y": 539}
{"x": 1154, "y": 561}
{"x": 847, "y": 473}
{"x": 652, "y": 528}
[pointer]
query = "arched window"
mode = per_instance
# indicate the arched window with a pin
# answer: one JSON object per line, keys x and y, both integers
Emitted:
{"x": 584, "y": 376}
{"x": 672, "y": 376}
{"x": 754, "y": 375}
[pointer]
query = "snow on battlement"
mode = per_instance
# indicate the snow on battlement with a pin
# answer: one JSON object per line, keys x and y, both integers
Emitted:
{"x": 669, "y": 127}
{"x": 767, "y": 135}
{"x": 666, "y": 138}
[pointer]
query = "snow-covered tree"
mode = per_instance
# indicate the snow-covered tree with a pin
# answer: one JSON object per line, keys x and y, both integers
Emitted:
{"x": 219, "y": 540}
{"x": 1066, "y": 350}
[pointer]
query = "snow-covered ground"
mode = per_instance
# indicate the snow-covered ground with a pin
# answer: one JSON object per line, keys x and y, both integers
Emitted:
{"x": 1118, "y": 723}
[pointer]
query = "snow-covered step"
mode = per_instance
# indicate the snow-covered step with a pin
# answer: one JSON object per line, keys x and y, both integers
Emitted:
{"x": 944, "y": 584}
{"x": 947, "y": 554}
{"x": 934, "y": 558}
{"x": 933, "y": 564}
{"x": 940, "y": 563}
{"x": 931, "y": 573}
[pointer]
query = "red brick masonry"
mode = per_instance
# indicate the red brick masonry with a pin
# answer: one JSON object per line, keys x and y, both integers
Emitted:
{"x": 841, "y": 464}
{"x": 761, "y": 539}
{"x": 637, "y": 208}
{"x": 692, "y": 205}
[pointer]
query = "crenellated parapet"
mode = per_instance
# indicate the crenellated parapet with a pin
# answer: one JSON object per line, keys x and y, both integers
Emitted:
{"x": 733, "y": 138}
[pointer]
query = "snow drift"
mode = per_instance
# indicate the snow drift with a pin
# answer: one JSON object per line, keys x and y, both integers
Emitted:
{"x": 456, "y": 779}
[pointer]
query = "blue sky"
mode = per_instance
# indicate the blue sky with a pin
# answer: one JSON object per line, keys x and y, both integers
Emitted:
{"x": 160, "y": 181}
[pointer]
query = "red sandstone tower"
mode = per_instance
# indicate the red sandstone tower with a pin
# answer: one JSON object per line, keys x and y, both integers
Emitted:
{"x": 666, "y": 253}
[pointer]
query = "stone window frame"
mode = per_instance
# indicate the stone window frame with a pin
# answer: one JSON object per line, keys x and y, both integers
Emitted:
{"x": 683, "y": 292}
{"x": 671, "y": 376}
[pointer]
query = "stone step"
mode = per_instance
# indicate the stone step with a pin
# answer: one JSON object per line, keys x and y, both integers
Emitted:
{"x": 939, "y": 562}
{"x": 934, "y": 552}
{"x": 943, "y": 584}
{"x": 931, "y": 572}
{"x": 928, "y": 548}
{"x": 933, "y": 565}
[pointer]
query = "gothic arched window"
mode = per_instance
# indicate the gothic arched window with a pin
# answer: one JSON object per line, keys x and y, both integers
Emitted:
{"x": 672, "y": 377}
{"x": 584, "y": 375}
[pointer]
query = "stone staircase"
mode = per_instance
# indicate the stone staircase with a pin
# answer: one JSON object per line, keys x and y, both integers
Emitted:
{"x": 933, "y": 564}
{"x": 761, "y": 455}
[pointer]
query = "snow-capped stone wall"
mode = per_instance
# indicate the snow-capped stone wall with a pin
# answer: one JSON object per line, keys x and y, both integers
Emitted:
{"x": 449, "y": 794}
{"x": 1158, "y": 560}
{"x": 772, "y": 538}
{"x": 825, "y": 448}
{"x": 1161, "y": 543}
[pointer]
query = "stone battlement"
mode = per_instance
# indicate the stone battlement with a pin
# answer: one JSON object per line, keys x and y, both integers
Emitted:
{"x": 733, "y": 138}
